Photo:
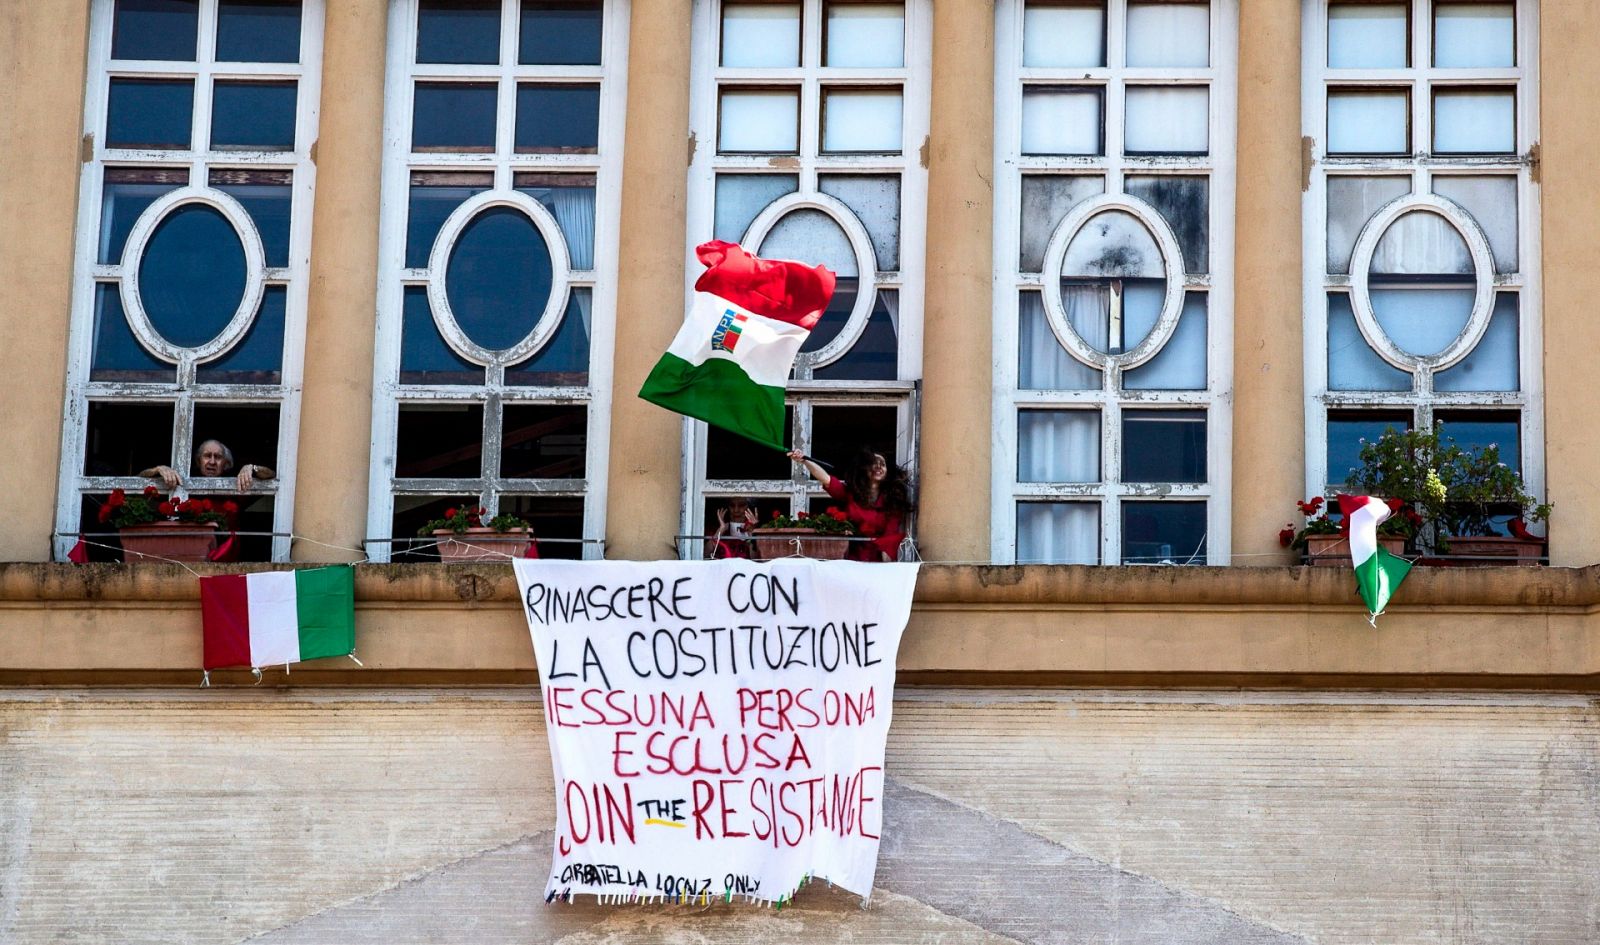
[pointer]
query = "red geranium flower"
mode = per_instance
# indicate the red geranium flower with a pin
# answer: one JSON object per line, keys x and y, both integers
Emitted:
{"x": 166, "y": 508}
{"x": 1286, "y": 537}
{"x": 118, "y": 499}
{"x": 105, "y": 514}
{"x": 449, "y": 513}
{"x": 230, "y": 507}
{"x": 151, "y": 490}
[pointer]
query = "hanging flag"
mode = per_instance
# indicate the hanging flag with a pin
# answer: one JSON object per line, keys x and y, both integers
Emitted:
{"x": 1378, "y": 573}
{"x": 275, "y": 618}
{"x": 730, "y": 362}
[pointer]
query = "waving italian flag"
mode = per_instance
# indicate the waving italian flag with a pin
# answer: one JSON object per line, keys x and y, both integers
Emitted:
{"x": 730, "y": 362}
{"x": 1378, "y": 573}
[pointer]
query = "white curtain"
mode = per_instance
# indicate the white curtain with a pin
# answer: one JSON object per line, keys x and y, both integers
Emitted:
{"x": 1042, "y": 364}
{"x": 584, "y": 300}
{"x": 573, "y": 208}
{"x": 1058, "y": 533}
{"x": 1058, "y": 446}
{"x": 891, "y": 304}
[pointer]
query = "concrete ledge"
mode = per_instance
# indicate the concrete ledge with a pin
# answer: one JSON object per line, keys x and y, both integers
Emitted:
{"x": 1495, "y": 628}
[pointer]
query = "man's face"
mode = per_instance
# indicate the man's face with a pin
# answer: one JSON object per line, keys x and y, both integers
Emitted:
{"x": 212, "y": 461}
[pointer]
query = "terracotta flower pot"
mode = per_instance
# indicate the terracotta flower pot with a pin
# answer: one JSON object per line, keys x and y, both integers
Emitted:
{"x": 1333, "y": 551}
{"x": 1502, "y": 549}
{"x": 772, "y": 543}
{"x": 174, "y": 541}
{"x": 483, "y": 543}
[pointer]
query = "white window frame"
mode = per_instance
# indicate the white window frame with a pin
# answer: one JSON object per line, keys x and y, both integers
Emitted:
{"x": 1421, "y": 166}
{"x": 914, "y": 79}
{"x": 399, "y": 161}
{"x": 199, "y": 160}
{"x": 1011, "y": 77}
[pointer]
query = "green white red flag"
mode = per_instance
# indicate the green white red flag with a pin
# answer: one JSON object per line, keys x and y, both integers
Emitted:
{"x": 1378, "y": 573}
{"x": 730, "y": 362}
{"x": 273, "y": 618}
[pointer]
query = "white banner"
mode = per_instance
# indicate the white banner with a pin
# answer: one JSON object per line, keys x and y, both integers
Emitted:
{"x": 716, "y": 727}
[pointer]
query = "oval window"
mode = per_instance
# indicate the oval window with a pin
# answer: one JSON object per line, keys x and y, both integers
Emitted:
{"x": 1113, "y": 282}
{"x": 1421, "y": 283}
{"x": 498, "y": 278}
{"x": 192, "y": 275}
{"x": 815, "y": 238}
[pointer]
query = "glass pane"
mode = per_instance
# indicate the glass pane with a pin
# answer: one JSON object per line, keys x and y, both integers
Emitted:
{"x": 564, "y": 359}
{"x": 498, "y": 278}
{"x": 1112, "y": 315}
{"x": 1058, "y": 533}
{"x": 1164, "y": 446}
{"x": 192, "y": 275}
{"x": 1167, "y": 35}
{"x": 453, "y": 116}
{"x": 248, "y": 431}
{"x": 1042, "y": 363}
{"x": 761, "y": 35}
{"x": 117, "y": 356}
{"x": 1348, "y": 432}
{"x": 875, "y": 199}
{"x": 543, "y": 441}
{"x": 1181, "y": 362}
{"x": 557, "y": 522}
{"x": 1352, "y": 364}
{"x": 258, "y": 31}
{"x": 1479, "y": 429}
{"x": 258, "y": 358}
{"x": 1376, "y": 122}
{"x": 124, "y": 438}
{"x": 835, "y": 316}
{"x": 1185, "y": 203}
{"x": 1165, "y": 119}
{"x": 1058, "y": 35}
{"x": 861, "y": 120}
{"x": 121, "y": 203}
{"x": 1492, "y": 202}
{"x": 1368, "y": 36}
{"x": 1474, "y": 35}
{"x": 439, "y": 441}
{"x": 1061, "y": 121}
{"x": 558, "y": 118}
{"x": 1420, "y": 321}
{"x": 1164, "y": 533}
{"x": 1421, "y": 243}
{"x": 424, "y": 357}
{"x": 458, "y": 31}
{"x": 570, "y": 199}
{"x": 865, "y": 35}
{"x": 269, "y": 208}
{"x": 155, "y": 29}
{"x": 150, "y": 113}
{"x": 1351, "y": 203}
{"x": 1474, "y": 121}
{"x": 731, "y": 456}
{"x": 561, "y": 32}
{"x": 1046, "y": 200}
{"x": 765, "y": 121}
{"x": 875, "y": 355}
{"x": 741, "y": 197}
{"x": 253, "y": 116}
{"x": 812, "y": 237}
{"x": 430, "y": 207}
{"x": 1493, "y": 363}
{"x": 1113, "y": 244}
{"x": 1058, "y": 446}
{"x": 839, "y": 433}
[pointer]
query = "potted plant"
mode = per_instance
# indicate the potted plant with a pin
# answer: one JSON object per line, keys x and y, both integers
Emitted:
{"x": 1326, "y": 543}
{"x": 823, "y": 535}
{"x": 463, "y": 535}
{"x": 173, "y": 529}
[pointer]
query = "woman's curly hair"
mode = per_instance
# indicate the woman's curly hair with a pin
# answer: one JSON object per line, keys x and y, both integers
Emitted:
{"x": 894, "y": 493}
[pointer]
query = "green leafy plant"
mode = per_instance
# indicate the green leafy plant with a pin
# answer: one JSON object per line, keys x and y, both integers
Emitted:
{"x": 458, "y": 520}
{"x": 832, "y": 521}
{"x": 1403, "y": 522}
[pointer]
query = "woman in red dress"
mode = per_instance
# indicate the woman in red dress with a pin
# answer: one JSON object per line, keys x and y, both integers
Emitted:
{"x": 877, "y": 501}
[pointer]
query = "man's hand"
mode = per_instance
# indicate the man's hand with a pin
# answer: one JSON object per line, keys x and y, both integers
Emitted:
{"x": 166, "y": 474}
{"x": 247, "y": 477}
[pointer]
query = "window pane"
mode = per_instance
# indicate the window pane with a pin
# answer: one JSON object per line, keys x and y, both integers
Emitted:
{"x": 813, "y": 236}
{"x": 731, "y": 456}
{"x": 1421, "y": 243}
{"x": 1351, "y": 203}
{"x": 439, "y": 441}
{"x": 1474, "y": 35}
{"x": 149, "y": 113}
{"x": 1349, "y": 431}
{"x": 875, "y": 355}
{"x": 258, "y": 357}
{"x": 1369, "y": 122}
{"x": 557, "y": 522}
{"x": 155, "y": 29}
{"x": 741, "y": 197}
{"x": 1474, "y": 122}
{"x": 1058, "y": 533}
{"x": 253, "y": 115}
{"x": 836, "y": 315}
{"x": 761, "y": 34}
{"x": 839, "y": 433}
{"x": 1164, "y": 34}
{"x": 117, "y": 356}
{"x": 1064, "y": 35}
{"x": 1058, "y": 446}
{"x": 453, "y": 116}
{"x": 1113, "y": 244}
{"x": 570, "y": 199}
{"x": 558, "y": 118}
{"x": 1352, "y": 364}
{"x": 192, "y": 276}
{"x": 458, "y": 31}
{"x": 1168, "y": 120}
{"x": 498, "y": 278}
{"x": 561, "y": 32}
{"x": 1478, "y": 429}
{"x": 1185, "y": 203}
{"x": 861, "y": 120}
{"x": 424, "y": 357}
{"x": 865, "y": 35}
{"x": 1420, "y": 321}
{"x": 258, "y": 31}
{"x": 1368, "y": 36}
{"x": 1181, "y": 362}
{"x": 1042, "y": 363}
{"x": 543, "y": 441}
{"x": 268, "y": 205}
{"x": 121, "y": 203}
{"x": 1492, "y": 365}
{"x": 249, "y": 431}
{"x": 1492, "y": 201}
{"x": 765, "y": 121}
{"x": 1164, "y": 533}
{"x": 875, "y": 199}
{"x": 1164, "y": 446}
{"x": 125, "y": 438}
{"x": 1046, "y": 200}
{"x": 564, "y": 359}
{"x": 431, "y": 204}
{"x": 1061, "y": 121}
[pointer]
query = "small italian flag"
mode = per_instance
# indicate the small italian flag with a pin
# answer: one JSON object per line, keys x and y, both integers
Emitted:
{"x": 730, "y": 362}
{"x": 1378, "y": 573}
{"x": 278, "y": 617}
